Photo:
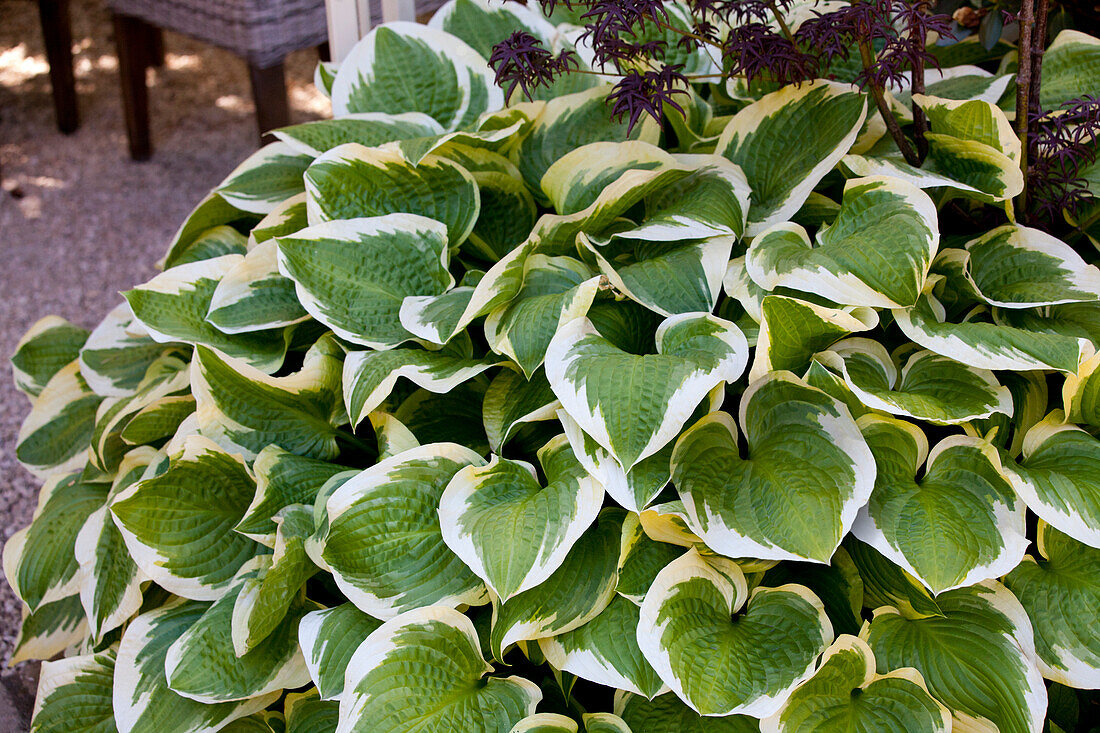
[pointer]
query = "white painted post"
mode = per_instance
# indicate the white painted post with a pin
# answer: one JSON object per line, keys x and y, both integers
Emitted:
{"x": 348, "y": 21}
{"x": 398, "y": 10}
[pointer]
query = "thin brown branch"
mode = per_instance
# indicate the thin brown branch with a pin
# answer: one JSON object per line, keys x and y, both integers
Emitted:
{"x": 866, "y": 55}
{"x": 1023, "y": 91}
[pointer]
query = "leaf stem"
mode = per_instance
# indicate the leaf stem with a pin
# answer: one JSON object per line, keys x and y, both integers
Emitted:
{"x": 866, "y": 55}
{"x": 1023, "y": 90}
{"x": 782, "y": 22}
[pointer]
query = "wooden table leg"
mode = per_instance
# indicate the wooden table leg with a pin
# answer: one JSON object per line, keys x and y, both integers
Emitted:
{"x": 58, "y": 35}
{"x": 269, "y": 94}
{"x": 131, "y": 35}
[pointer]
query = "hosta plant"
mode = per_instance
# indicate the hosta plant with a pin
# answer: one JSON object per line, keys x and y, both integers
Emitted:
{"x": 468, "y": 411}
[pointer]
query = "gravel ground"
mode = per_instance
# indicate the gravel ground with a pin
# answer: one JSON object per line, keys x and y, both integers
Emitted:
{"x": 80, "y": 222}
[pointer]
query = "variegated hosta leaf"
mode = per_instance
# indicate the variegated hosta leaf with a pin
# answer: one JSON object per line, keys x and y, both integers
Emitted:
{"x": 49, "y": 345}
{"x": 384, "y": 543}
{"x": 354, "y": 182}
{"x": 604, "y": 723}
{"x": 117, "y": 354}
{"x": 641, "y": 559}
{"x": 414, "y": 68}
{"x": 329, "y": 638}
{"x": 555, "y": 290}
{"x": 506, "y": 215}
{"x": 667, "y": 714}
{"x": 876, "y": 253}
{"x": 74, "y": 694}
{"x": 885, "y": 584}
{"x": 1019, "y": 267}
{"x": 837, "y": 585}
{"x": 668, "y": 523}
{"x": 578, "y": 180}
{"x": 423, "y": 672}
{"x": 213, "y": 211}
{"x": 282, "y": 479}
{"x": 142, "y": 701}
{"x": 984, "y": 345}
{"x": 1061, "y": 592}
{"x": 699, "y": 623}
{"x": 307, "y": 713}
{"x": 569, "y": 122}
{"x": 1081, "y": 393}
{"x": 606, "y": 651}
{"x": 506, "y": 499}
{"x": 265, "y": 598}
{"x": 793, "y": 330}
{"x": 392, "y": 435}
{"x": 201, "y": 663}
{"x": 178, "y": 525}
{"x": 352, "y": 275}
{"x": 666, "y": 277}
{"x": 173, "y": 307}
{"x": 366, "y": 128}
{"x": 1073, "y": 65}
{"x": 634, "y": 405}
{"x": 512, "y": 401}
{"x": 253, "y": 296}
{"x": 370, "y": 376}
{"x": 1076, "y": 320}
{"x": 961, "y": 523}
{"x": 807, "y": 473}
{"x": 1058, "y": 476}
{"x": 846, "y": 694}
{"x": 573, "y": 595}
{"x": 110, "y": 587}
{"x": 288, "y": 217}
{"x": 787, "y": 141}
{"x": 977, "y": 659}
{"x": 56, "y": 435}
{"x": 245, "y": 410}
{"x": 158, "y": 420}
{"x": 924, "y": 385}
{"x": 545, "y": 723}
{"x": 215, "y": 242}
{"x": 634, "y": 489}
{"x": 38, "y": 560}
{"x": 266, "y": 178}
{"x": 482, "y": 24}
{"x": 50, "y": 630}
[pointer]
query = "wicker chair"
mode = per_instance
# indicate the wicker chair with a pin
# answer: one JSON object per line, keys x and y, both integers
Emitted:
{"x": 262, "y": 32}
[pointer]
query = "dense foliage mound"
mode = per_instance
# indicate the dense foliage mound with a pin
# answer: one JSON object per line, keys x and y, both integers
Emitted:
{"x": 456, "y": 415}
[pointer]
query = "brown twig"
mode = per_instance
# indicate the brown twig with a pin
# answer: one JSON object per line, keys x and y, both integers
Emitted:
{"x": 1026, "y": 18}
{"x": 920, "y": 121}
{"x": 867, "y": 56}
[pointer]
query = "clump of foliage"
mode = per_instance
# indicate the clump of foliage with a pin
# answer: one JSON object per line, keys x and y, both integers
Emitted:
{"x": 481, "y": 409}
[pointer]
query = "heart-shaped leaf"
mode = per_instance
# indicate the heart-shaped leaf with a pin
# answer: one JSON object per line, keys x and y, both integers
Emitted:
{"x": 329, "y": 638}
{"x": 484, "y": 503}
{"x": 807, "y": 473}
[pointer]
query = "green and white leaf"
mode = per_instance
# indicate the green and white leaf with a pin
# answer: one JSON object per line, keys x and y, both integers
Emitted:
{"x": 513, "y": 401}
{"x": 885, "y": 584}
{"x": 38, "y": 560}
{"x": 1019, "y": 267}
{"x": 1005, "y": 692}
{"x": 634, "y": 405}
{"x": 606, "y": 651}
{"x": 371, "y": 129}
{"x": 308, "y": 713}
{"x": 117, "y": 353}
{"x": 924, "y": 385}
{"x": 329, "y": 638}
{"x": 667, "y": 714}
{"x": 1058, "y": 477}
{"x": 1081, "y": 393}
{"x": 50, "y": 630}
{"x": 960, "y": 524}
{"x": 1071, "y": 65}
{"x": 54, "y": 438}
{"x": 545, "y": 723}
{"x": 393, "y": 686}
{"x": 74, "y": 694}
{"x": 384, "y": 544}
{"x": 142, "y": 700}
{"x": 1060, "y": 592}
{"x": 201, "y": 663}
{"x": 253, "y": 296}
{"x": 370, "y": 376}
{"x": 845, "y": 693}
{"x": 481, "y": 504}
{"x": 793, "y": 330}
{"x": 353, "y": 182}
{"x": 984, "y": 345}
{"x": 877, "y": 252}
{"x": 482, "y": 24}
{"x": 414, "y": 68}
{"x": 173, "y": 307}
{"x": 573, "y": 595}
{"x": 641, "y": 559}
{"x": 266, "y": 178}
{"x": 688, "y": 633}
{"x": 787, "y": 141}
{"x": 245, "y": 410}
{"x": 49, "y": 345}
{"x": 177, "y": 525}
{"x": 111, "y": 582}
{"x": 795, "y": 496}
